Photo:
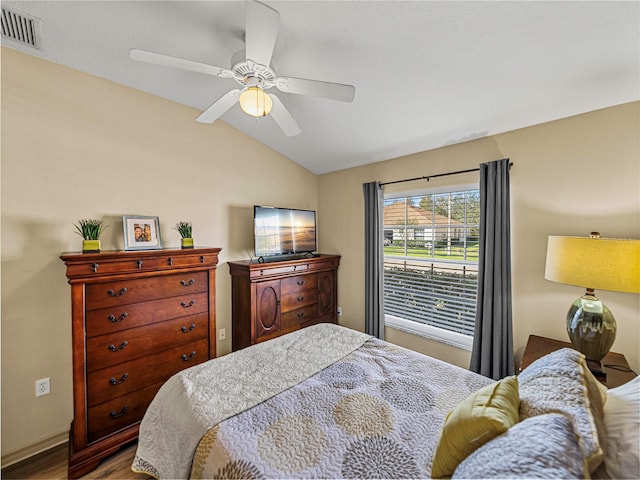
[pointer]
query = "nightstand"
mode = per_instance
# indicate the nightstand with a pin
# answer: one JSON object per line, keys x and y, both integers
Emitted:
{"x": 615, "y": 366}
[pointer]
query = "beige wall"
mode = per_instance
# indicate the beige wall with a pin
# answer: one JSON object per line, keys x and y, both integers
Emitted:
{"x": 75, "y": 146}
{"x": 570, "y": 177}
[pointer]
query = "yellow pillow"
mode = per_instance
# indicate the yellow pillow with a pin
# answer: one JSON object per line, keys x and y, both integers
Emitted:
{"x": 480, "y": 417}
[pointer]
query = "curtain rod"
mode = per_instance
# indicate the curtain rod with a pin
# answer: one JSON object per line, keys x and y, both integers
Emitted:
{"x": 437, "y": 175}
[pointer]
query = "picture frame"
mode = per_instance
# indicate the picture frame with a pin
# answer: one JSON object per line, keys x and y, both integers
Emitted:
{"x": 141, "y": 232}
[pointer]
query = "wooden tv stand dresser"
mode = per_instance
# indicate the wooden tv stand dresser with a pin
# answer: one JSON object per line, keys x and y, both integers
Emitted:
{"x": 273, "y": 298}
{"x": 137, "y": 317}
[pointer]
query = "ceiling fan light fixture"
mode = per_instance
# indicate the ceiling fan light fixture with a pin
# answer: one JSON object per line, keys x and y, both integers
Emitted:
{"x": 254, "y": 101}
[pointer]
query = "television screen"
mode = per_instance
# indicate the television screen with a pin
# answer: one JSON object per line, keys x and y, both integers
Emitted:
{"x": 281, "y": 231}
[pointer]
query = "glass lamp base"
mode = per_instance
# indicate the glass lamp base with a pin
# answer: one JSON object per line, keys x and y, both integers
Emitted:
{"x": 591, "y": 327}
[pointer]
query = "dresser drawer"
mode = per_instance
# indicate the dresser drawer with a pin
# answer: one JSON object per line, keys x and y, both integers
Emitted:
{"x": 123, "y": 292}
{"x": 118, "y": 413}
{"x": 122, "y": 317}
{"x": 195, "y": 260}
{"x": 293, "y": 301}
{"x": 299, "y": 316}
{"x": 298, "y": 282}
{"x": 124, "y": 378}
{"x": 127, "y": 345}
{"x": 104, "y": 267}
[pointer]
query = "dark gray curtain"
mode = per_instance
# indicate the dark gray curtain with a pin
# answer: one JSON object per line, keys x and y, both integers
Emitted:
{"x": 373, "y": 259}
{"x": 492, "y": 354}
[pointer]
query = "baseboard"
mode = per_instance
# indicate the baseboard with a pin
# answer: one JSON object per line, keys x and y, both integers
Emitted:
{"x": 32, "y": 449}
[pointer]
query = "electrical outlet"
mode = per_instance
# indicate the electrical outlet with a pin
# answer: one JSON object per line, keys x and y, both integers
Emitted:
{"x": 43, "y": 387}
{"x": 339, "y": 311}
{"x": 222, "y": 334}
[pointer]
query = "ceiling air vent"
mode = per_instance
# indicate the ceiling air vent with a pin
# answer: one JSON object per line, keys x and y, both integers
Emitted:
{"x": 21, "y": 28}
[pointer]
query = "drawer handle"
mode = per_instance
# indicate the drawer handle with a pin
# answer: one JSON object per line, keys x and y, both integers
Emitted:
{"x": 300, "y": 282}
{"x": 113, "y": 413}
{"x": 112, "y": 318}
{"x": 170, "y": 261}
{"x": 187, "y": 358}
{"x": 113, "y": 381}
{"x": 122, "y": 291}
{"x": 185, "y": 330}
{"x": 300, "y": 315}
{"x": 113, "y": 348}
{"x": 201, "y": 258}
{"x": 187, "y": 305}
{"x": 300, "y": 299}
{"x": 95, "y": 268}
{"x": 187, "y": 284}
{"x": 139, "y": 263}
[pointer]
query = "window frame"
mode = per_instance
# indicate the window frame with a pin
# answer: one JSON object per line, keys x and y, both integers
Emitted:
{"x": 455, "y": 339}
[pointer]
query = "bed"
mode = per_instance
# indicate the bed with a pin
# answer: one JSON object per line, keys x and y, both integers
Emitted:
{"x": 330, "y": 402}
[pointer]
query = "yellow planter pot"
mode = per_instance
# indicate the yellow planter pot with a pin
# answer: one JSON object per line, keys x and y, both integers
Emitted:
{"x": 186, "y": 242}
{"x": 90, "y": 246}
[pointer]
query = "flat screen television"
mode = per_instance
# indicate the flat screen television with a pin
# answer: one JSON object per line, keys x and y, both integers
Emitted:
{"x": 283, "y": 231}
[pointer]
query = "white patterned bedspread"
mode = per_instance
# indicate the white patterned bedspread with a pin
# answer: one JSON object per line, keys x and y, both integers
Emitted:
{"x": 322, "y": 402}
{"x": 196, "y": 399}
{"x": 377, "y": 413}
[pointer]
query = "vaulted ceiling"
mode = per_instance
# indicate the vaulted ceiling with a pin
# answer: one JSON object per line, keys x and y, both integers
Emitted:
{"x": 426, "y": 73}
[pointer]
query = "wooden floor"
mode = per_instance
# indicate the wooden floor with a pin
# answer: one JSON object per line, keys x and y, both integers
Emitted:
{"x": 52, "y": 465}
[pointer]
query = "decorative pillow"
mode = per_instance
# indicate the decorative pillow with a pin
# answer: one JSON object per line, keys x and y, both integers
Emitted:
{"x": 622, "y": 422}
{"x": 561, "y": 382}
{"x": 479, "y": 418}
{"x": 538, "y": 447}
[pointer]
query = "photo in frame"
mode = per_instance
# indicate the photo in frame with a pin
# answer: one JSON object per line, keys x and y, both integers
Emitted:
{"x": 141, "y": 232}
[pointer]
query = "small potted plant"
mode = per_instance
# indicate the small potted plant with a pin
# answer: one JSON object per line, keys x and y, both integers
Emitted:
{"x": 186, "y": 232}
{"x": 90, "y": 230}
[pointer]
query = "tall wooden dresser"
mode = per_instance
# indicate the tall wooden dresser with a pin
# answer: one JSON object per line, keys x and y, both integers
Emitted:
{"x": 273, "y": 298}
{"x": 137, "y": 318}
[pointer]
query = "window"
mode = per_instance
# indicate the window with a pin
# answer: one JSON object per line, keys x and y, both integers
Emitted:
{"x": 431, "y": 263}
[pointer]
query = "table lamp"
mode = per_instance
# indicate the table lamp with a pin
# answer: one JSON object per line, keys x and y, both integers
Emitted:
{"x": 593, "y": 263}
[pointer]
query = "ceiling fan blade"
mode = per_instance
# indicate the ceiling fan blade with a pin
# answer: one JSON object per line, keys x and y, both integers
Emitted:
{"x": 283, "y": 118}
{"x": 168, "y": 61}
{"x": 261, "y": 30}
{"x": 216, "y": 110}
{"x": 317, "y": 88}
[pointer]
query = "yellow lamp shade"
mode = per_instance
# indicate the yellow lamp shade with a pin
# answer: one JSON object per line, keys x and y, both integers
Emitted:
{"x": 597, "y": 263}
{"x": 256, "y": 102}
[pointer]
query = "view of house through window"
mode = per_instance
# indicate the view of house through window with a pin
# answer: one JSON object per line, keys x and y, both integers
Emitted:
{"x": 431, "y": 263}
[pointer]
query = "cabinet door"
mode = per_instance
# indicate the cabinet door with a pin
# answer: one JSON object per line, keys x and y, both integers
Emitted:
{"x": 326, "y": 293}
{"x": 267, "y": 307}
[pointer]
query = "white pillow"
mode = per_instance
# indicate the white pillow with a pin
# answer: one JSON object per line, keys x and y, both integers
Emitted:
{"x": 622, "y": 423}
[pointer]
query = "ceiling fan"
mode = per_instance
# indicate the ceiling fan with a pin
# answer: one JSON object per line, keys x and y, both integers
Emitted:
{"x": 251, "y": 69}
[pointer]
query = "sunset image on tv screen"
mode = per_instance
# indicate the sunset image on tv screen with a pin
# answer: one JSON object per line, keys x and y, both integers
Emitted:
{"x": 280, "y": 231}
